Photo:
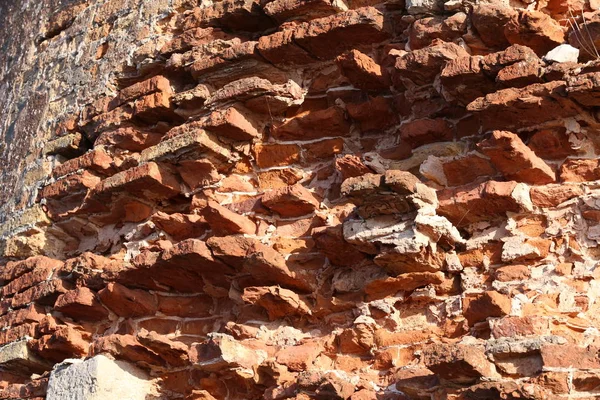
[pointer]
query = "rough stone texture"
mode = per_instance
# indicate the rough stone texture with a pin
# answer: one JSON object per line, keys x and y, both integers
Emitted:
{"x": 98, "y": 378}
{"x": 288, "y": 199}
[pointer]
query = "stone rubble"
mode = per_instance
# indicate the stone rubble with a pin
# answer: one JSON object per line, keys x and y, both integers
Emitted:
{"x": 299, "y": 199}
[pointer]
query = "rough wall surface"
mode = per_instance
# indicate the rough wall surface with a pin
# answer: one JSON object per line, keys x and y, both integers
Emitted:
{"x": 300, "y": 199}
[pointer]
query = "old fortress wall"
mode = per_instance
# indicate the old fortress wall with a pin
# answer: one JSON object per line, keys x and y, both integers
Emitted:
{"x": 299, "y": 199}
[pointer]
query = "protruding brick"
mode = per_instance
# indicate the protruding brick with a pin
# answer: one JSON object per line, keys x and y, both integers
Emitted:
{"x": 580, "y": 170}
{"x": 14, "y": 269}
{"x": 487, "y": 304}
{"x": 275, "y": 155}
{"x": 314, "y": 125}
{"x": 292, "y": 201}
{"x": 127, "y": 302}
{"x": 128, "y": 138}
{"x": 44, "y": 293}
{"x": 474, "y": 203}
{"x": 458, "y": 363}
{"x": 325, "y": 38}
{"x": 38, "y": 275}
{"x": 156, "y": 84}
{"x": 260, "y": 261}
{"x": 174, "y": 353}
{"x": 515, "y": 160}
{"x": 534, "y": 29}
{"x": 362, "y": 71}
{"x": 97, "y": 160}
{"x": 277, "y": 301}
{"x": 148, "y": 181}
{"x": 222, "y": 352}
{"x": 553, "y": 195}
{"x": 64, "y": 342}
{"x": 224, "y": 222}
{"x": 81, "y": 304}
{"x": 232, "y": 124}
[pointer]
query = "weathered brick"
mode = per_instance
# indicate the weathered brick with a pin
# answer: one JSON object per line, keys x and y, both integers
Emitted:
{"x": 14, "y": 269}
{"x": 149, "y": 181}
{"x": 314, "y": 125}
{"x": 81, "y": 304}
{"x": 232, "y": 124}
{"x": 223, "y": 221}
{"x": 274, "y": 155}
{"x": 291, "y": 201}
{"x": 38, "y": 275}
{"x": 97, "y": 160}
{"x": 45, "y": 293}
{"x": 127, "y": 302}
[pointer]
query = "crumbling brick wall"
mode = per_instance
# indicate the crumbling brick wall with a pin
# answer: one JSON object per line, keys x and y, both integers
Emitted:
{"x": 298, "y": 199}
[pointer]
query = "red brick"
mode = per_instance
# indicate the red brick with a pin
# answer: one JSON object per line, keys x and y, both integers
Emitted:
{"x": 322, "y": 150}
{"x": 153, "y": 107}
{"x": 180, "y": 226}
{"x": 128, "y": 302}
{"x": 65, "y": 342}
{"x": 254, "y": 258}
{"x": 96, "y": 160}
{"x": 128, "y": 138}
{"x": 570, "y": 356}
{"x": 174, "y": 353}
{"x": 153, "y": 85}
{"x": 300, "y": 357}
{"x": 534, "y": 29}
{"x": 313, "y": 125}
{"x": 276, "y": 155}
{"x": 465, "y": 170}
{"x": 162, "y": 326}
{"x": 45, "y": 293}
{"x": 69, "y": 185}
{"x": 514, "y": 160}
{"x": 38, "y": 275}
{"x": 193, "y": 254}
{"x": 473, "y": 203}
{"x": 231, "y": 124}
{"x": 198, "y": 173}
{"x": 18, "y": 332}
{"x": 553, "y": 195}
{"x": 225, "y": 222}
{"x": 488, "y": 304}
{"x": 149, "y": 181}
{"x": 375, "y": 114}
{"x": 276, "y": 301}
{"x": 126, "y": 347}
{"x": 292, "y": 201}
{"x": 458, "y": 363}
{"x": 33, "y": 313}
{"x": 421, "y": 66}
{"x": 283, "y": 10}
{"x": 186, "y": 306}
{"x": 422, "y": 131}
{"x": 81, "y": 304}
{"x": 580, "y": 170}
{"x": 14, "y": 269}
{"x": 280, "y": 48}
{"x": 324, "y": 38}
{"x": 362, "y": 71}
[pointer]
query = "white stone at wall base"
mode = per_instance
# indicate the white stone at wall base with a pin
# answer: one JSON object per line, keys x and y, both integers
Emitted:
{"x": 98, "y": 378}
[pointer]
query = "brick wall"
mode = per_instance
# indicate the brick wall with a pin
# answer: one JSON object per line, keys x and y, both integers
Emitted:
{"x": 301, "y": 199}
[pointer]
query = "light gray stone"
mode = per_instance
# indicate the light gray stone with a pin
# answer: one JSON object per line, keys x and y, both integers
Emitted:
{"x": 562, "y": 53}
{"x": 17, "y": 358}
{"x": 423, "y": 6}
{"x": 99, "y": 378}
